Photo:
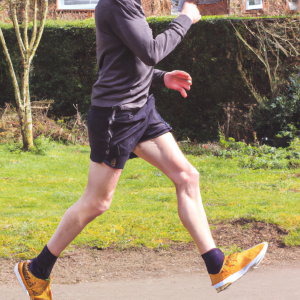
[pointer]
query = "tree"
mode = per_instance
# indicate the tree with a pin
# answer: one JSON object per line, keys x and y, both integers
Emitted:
{"x": 276, "y": 43}
{"x": 21, "y": 12}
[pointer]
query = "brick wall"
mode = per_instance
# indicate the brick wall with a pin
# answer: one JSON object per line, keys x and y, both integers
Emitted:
{"x": 156, "y": 7}
{"x": 151, "y": 8}
{"x": 238, "y": 8}
{"x": 270, "y": 7}
{"x": 219, "y": 8}
{"x": 163, "y": 7}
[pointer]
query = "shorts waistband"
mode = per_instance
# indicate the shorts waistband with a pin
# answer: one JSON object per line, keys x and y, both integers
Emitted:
{"x": 111, "y": 108}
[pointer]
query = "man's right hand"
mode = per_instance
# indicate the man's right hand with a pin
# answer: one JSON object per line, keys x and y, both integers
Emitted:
{"x": 190, "y": 9}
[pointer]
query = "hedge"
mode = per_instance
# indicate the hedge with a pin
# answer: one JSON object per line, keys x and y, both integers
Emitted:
{"x": 64, "y": 69}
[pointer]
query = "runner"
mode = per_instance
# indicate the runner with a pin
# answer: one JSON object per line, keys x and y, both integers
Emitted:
{"x": 123, "y": 119}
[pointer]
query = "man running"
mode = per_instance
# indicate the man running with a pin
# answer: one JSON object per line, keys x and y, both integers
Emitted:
{"x": 123, "y": 119}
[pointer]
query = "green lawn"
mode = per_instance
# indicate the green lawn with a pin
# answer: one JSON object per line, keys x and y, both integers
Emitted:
{"x": 36, "y": 190}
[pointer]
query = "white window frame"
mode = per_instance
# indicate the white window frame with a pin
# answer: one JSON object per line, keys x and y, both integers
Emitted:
{"x": 293, "y": 6}
{"x": 251, "y": 7}
{"x": 61, "y": 6}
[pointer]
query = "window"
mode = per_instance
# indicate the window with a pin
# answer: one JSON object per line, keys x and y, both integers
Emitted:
{"x": 76, "y": 4}
{"x": 294, "y": 4}
{"x": 254, "y": 4}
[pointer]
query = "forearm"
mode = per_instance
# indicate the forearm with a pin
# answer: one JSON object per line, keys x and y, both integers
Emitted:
{"x": 136, "y": 34}
{"x": 158, "y": 77}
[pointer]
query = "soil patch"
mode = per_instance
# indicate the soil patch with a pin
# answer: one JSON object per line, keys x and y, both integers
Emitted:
{"x": 245, "y": 233}
{"x": 92, "y": 265}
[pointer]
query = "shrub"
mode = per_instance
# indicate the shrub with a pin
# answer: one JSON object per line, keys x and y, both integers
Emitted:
{"x": 254, "y": 156}
{"x": 278, "y": 120}
{"x": 69, "y": 130}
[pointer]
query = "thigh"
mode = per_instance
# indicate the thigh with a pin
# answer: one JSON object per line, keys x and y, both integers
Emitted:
{"x": 164, "y": 153}
{"x": 102, "y": 181}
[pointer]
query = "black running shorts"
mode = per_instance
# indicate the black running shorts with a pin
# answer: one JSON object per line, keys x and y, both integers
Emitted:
{"x": 113, "y": 134}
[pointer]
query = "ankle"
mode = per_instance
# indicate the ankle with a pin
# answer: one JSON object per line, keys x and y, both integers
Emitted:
{"x": 42, "y": 265}
{"x": 214, "y": 260}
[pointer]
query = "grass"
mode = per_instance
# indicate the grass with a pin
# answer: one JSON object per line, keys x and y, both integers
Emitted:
{"x": 35, "y": 191}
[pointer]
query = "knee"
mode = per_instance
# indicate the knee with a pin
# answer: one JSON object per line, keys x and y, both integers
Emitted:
{"x": 101, "y": 206}
{"x": 188, "y": 177}
{"x": 96, "y": 206}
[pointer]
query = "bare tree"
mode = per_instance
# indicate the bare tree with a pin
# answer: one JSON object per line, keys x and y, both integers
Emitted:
{"x": 27, "y": 10}
{"x": 271, "y": 41}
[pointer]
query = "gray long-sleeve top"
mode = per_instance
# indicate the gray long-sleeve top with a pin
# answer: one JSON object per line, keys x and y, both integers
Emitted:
{"x": 127, "y": 53}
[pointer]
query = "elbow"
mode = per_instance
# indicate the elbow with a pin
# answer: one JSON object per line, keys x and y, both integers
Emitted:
{"x": 150, "y": 61}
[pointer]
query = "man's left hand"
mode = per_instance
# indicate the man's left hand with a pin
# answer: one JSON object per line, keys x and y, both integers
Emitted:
{"x": 178, "y": 81}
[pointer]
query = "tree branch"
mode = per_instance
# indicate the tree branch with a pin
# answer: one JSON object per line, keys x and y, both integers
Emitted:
{"x": 241, "y": 38}
{"x": 13, "y": 12}
{"x": 26, "y": 25}
{"x": 253, "y": 33}
{"x": 41, "y": 29}
{"x": 274, "y": 35}
{"x": 265, "y": 52}
{"x": 33, "y": 37}
{"x": 250, "y": 86}
{"x": 12, "y": 72}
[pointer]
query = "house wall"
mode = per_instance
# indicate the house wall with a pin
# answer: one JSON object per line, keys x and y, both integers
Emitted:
{"x": 271, "y": 8}
{"x": 238, "y": 8}
{"x": 151, "y": 8}
{"x": 163, "y": 7}
{"x": 220, "y": 8}
{"x": 4, "y": 16}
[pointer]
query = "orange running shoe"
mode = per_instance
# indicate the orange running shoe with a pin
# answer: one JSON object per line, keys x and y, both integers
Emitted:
{"x": 36, "y": 289}
{"x": 236, "y": 265}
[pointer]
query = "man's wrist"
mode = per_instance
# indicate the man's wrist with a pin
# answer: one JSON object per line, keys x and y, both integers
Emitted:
{"x": 165, "y": 78}
{"x": 188, "y": 15}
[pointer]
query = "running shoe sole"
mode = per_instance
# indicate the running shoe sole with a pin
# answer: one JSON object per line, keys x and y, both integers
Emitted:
{"x": 17, "y": 272}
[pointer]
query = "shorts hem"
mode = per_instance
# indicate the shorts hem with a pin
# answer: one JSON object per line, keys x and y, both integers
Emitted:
{"x": 115, "y": 167}
{"x": 100, "y": 161}
{"x": 155, "y": 135}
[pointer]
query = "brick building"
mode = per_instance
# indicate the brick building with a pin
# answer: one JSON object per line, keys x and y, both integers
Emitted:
{"x": 82, "y": 9}
{"x": 251, "y": 8}
{"x": 69, "y": 8}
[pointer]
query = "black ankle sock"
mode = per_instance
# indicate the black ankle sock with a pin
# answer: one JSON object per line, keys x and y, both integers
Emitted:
{"x": 213, "y": 260}
{"x": 42, "y": 265}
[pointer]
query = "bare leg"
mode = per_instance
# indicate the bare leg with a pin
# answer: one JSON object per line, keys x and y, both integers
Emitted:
{"x": 95, "y": 201}
{"x": 164, "y": 153}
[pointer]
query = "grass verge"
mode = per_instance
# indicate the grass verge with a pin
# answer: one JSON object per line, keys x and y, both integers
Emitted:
{"x": 35, "y": 191}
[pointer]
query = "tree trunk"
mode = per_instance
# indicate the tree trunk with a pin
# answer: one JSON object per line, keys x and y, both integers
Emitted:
{"x": 26, "y": 126}
{"x": 228, "y": 122}
{"x": 26, "y": 129}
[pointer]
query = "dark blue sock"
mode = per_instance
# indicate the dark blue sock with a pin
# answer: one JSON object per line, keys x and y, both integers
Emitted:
{"x": 213, "y": 260}
{"x": 42, "y": 265}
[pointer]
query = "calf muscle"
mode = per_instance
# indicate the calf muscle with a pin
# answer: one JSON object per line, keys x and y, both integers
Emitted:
{"x": 95, "y": 201}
